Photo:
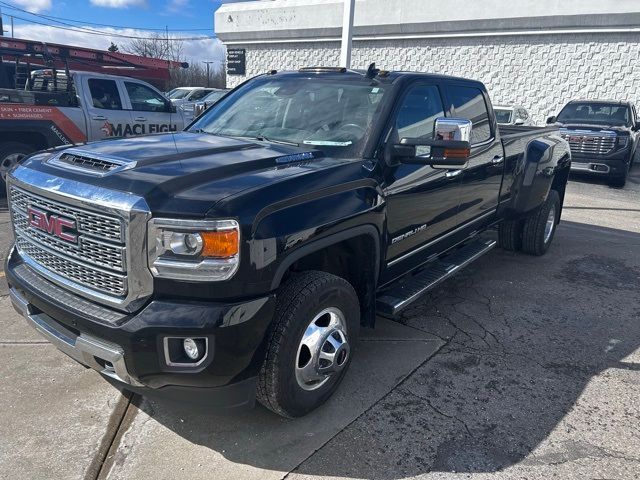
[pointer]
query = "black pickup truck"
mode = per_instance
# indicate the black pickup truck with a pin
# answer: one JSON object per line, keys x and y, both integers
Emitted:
{"x": 239, "y": 258}
{"x": 603, "y": 136}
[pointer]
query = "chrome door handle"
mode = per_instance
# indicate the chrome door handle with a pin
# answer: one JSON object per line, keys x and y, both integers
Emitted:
{"x": 140, "y": 119}
{"x": 452, "y": 173}
{"x": 99, "y": 117}
{"x": 497, "y": 160}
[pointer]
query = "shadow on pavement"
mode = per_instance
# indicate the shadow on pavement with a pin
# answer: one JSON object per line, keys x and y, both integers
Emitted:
{"x": 524, "y": 337}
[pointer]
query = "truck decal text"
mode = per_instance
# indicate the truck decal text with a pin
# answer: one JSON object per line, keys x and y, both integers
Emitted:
{"x": 127, "y": 130}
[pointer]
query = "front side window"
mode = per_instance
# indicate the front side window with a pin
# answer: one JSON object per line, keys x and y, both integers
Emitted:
{"x": 144, "y": 99}
{"x": 596, "y": 113}
{"x": 104, "y": 94}
{"x": 333, "y": 114}
{"x": 468, "y": 102}
{"x": 418, "y": 112}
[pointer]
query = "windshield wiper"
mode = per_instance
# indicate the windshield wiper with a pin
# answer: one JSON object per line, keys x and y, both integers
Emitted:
{"x": 262, "y": 138}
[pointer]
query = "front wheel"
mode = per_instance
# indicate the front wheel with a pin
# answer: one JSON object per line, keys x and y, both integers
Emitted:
{"x": 11, "y": 153}
{"x": 310, "y": 344}
{"x": 540, "y": 227}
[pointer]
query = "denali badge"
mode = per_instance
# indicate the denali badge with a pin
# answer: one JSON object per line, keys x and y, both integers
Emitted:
{"x": 52, "y": 224}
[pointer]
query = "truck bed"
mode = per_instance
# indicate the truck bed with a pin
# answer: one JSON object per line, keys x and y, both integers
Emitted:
{"x": 30, "y": 97}
{"x": 509, "y": 131}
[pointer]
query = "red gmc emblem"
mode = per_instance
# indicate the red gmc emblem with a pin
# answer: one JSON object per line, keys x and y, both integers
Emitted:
{"x": 63, "y": 228}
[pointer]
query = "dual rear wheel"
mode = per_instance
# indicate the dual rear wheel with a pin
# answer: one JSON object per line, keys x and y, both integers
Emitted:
{"x": 533, "y": 234}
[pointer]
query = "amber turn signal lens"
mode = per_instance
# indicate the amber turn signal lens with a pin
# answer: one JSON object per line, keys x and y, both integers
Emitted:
{"x": 457, "y": 152}
{"x": 220, "y": 244}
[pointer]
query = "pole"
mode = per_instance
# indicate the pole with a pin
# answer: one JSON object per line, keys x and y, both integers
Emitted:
{"x": 207, "y": 63}
{"x": 12, "y": 36}
{"x": 347, "y": 33}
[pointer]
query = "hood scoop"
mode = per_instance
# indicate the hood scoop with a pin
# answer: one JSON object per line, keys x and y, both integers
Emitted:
{"x": 79, "y": 160}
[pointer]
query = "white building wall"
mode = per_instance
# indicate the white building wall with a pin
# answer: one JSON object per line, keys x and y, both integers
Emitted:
{"x": 539, "y": 72}
{"x": 537, "y": 53}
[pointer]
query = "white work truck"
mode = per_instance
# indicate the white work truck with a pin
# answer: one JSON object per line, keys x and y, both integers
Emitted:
{"x": 58, "y": 109}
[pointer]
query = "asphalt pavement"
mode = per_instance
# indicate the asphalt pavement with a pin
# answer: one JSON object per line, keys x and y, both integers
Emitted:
{"x": 519, "y": 367}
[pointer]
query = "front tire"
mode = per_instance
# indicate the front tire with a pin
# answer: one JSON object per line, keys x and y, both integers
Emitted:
{"x": 310, "y": 343}
{"x": 620, "y": 181}
{"x": 540, "y": 227}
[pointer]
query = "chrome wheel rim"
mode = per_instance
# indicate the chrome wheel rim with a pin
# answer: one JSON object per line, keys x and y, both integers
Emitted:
{"x": 550, "y": 225}
{"x": 9, "y": 162}
{"x": 324, "y": 349}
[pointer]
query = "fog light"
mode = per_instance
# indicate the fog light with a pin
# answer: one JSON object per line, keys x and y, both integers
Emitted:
{"x": 191, "y": 348}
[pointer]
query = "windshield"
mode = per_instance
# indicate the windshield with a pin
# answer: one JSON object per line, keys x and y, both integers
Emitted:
{"x": 333, "y": 114}
{"x": 596, "y": 113}
{"x": 178, "y": 93}
{"x": 503, "y": 115}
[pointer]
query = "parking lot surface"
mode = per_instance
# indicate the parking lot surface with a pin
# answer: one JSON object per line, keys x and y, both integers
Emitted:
{"x": 518, "y": 367}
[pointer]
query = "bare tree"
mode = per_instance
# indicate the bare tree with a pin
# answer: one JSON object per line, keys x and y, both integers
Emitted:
{"x": 172, "y": 49}
{"x": 196, "y": 76}
{"x": 157, "y": 46}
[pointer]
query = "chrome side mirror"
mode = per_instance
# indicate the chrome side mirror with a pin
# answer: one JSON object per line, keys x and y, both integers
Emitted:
{"x": 452, "y": 129}
{"x": 518, "y": 121}
{"x": 449, "y": 148}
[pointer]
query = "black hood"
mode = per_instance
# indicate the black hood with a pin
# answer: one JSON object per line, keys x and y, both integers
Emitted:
{"x": 168, "y": 169}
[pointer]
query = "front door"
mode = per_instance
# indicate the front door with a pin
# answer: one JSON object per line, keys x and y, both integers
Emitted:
{"x": 150, "y": 111}
{"x": 105, "y": 108}
{"x": 422, "y": 201}
{"x": 482, "y": 177}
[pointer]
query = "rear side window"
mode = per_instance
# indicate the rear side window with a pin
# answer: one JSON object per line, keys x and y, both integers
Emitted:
{"x": 418, "y": 112}
{"x": 468, "y": 102}
{"x": 104, "y": 94}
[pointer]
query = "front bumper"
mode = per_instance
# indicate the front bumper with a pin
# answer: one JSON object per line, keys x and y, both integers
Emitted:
{"x": 614, "y": 164}
{"x": 128, "y": 349}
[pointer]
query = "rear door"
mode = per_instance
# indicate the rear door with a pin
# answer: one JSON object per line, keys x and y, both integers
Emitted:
{"x": 482, "y": 177}
{"x": 106, "y": 113}
{"x": 150, "y": 111}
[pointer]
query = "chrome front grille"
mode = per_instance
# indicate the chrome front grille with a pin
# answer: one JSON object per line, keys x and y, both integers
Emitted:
{"x": 97, "y": 260}
{"x": 590, "y": 143}
{"x": 86, "y": 239}
{"x": 100, "y": 280}
{"x": 89, "y": 223}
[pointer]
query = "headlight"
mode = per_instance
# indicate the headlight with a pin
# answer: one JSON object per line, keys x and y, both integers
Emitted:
{"x": 622, "y": 141}
{"x": 194, "y": 250}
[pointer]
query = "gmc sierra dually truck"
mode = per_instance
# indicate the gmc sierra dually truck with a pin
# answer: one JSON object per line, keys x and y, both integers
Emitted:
{"x": 58, "y": 109}
{"x": 239, "y": 258}
{"x": 603, "y": 136}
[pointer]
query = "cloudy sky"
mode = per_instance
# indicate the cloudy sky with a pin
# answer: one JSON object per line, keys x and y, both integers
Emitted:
{"x": 84, "y": 22}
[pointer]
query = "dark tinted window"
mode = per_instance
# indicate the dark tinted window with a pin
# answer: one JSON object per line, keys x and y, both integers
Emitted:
{"x": 468, "y": 102}
{"x": 104, "y": 94}
{"x": 596, "y": 113}
{"x": 418, "y": 112}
